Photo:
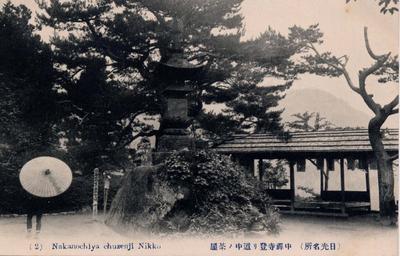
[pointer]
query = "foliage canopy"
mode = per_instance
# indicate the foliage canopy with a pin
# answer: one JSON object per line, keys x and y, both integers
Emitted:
{"x": 106, "y": 54}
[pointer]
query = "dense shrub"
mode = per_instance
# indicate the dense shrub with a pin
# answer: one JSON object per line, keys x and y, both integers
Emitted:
{"x": 14, "y": 197}
{"x": 11, "y": 192}
{"x": 216, "y": 195}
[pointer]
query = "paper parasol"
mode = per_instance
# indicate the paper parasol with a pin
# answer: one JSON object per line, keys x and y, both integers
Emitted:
{"x": 45, "y": 176}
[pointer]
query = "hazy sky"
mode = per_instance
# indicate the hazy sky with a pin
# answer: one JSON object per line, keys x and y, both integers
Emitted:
{"x": 342, "y": 25}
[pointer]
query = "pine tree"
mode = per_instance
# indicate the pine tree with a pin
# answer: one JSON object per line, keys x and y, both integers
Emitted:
{"x": 385, "y": 69}
{"x": 28, "y": 110}
{"x": 128, "y": 38}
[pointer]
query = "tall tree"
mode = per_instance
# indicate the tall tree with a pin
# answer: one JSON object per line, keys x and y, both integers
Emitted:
{"x": 28, "y": 111}
{"x": 386, "y": 68}
{"x": 128, "y": 38}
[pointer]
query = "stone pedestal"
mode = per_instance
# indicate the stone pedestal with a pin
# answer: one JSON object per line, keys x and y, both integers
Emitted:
{"x": 175, "y": 121}
{"x": 175, "y": 142}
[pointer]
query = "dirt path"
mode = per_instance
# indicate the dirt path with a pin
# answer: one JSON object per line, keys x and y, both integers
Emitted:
{"x": 353, "y": 236}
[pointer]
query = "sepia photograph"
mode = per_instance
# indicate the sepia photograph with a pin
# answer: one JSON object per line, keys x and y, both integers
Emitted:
{"x": 199, "y": 127}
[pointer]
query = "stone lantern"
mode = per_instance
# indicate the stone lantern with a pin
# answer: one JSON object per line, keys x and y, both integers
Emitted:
{"x": 176, "y": 74}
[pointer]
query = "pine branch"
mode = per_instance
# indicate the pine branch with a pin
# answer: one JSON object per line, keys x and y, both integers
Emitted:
{"x": 394, "y": 157}
{"x": 390, "y": 107}
{"x": 338, "y": 66}
{"x": 394, "y": 111}
{"x": 140, "y": 134}
{"x": 363, "y": 74}
{"x": 367, "y": 45}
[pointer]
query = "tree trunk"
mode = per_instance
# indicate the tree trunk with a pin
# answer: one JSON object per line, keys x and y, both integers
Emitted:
{"x": 387, "y": 206}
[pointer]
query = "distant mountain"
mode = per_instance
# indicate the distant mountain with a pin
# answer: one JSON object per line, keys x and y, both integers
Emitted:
{"x": 335, "y": 110}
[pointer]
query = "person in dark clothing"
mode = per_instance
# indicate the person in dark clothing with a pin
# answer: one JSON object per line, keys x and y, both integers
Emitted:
{"x": 35, "y": 206}
{"x": 38, "y": 221}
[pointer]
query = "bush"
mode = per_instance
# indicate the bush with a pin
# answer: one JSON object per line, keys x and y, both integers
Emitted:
{"x": 216, "y": 196}
{"x": 275, "y": 173}
{"x": 14, "y": 197}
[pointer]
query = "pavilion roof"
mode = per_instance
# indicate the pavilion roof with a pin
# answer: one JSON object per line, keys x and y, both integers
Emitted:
{"x": 312, "y": 142}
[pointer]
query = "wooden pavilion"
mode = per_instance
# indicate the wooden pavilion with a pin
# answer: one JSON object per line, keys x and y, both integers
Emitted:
{"x": 321, "y": 148}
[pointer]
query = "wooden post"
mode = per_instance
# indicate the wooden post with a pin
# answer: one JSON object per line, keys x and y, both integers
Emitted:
{"x": 367, "y": 186}
{"x": 260, "y": 169}
{"x": 327, "y": 176}
{"x": 106, "y": 189}
{"x": 322, "y": 179}
{"x": 292, "y": 185}
{"x": 342, "y": 185}
{"x": 251, "y": 167}
{"x": 105, "y": 199}
{"x": 95, "y": 191}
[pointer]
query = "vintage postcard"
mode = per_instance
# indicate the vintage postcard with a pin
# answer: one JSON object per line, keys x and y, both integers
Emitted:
{"x": 199, "y": 127}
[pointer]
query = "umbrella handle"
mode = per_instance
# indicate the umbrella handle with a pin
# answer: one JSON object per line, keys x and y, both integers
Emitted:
{"x": 53, "y": 182}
